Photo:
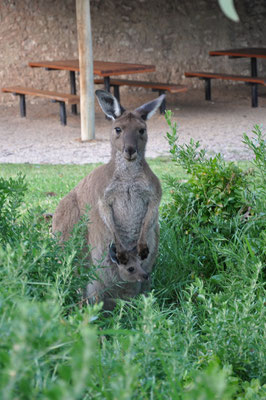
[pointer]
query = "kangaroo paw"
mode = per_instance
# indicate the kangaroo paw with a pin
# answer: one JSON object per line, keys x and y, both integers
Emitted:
{"x": 143, "y": 250}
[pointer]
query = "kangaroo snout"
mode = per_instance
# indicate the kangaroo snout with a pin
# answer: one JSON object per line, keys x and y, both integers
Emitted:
{"x": 130, "y": 153}
{"x": 144, "y": 277}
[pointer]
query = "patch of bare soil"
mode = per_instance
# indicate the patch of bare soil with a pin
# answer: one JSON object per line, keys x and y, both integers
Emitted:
{"x": 218, "y": 125}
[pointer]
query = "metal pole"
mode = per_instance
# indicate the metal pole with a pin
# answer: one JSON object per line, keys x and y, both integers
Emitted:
{"x": 254, "y": 69}
{"x": 87, "y": 114}
{"x": 73, "y": 90}
{"x": 207, "y": 88}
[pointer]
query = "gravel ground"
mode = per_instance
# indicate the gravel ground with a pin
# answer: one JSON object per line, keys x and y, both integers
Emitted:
{"x": 218, "y": 125}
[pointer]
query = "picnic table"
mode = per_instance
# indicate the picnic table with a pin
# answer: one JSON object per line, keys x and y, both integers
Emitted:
{"x": 251, "y": 52}
{"x": 104, "y": 69}
{"x": 253, "y": 79}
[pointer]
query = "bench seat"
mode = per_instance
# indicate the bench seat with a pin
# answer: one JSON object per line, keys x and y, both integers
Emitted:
{"x": 61, "y": 98}
{"x": 155, "y": 86}
{"x": 254, "y": 81}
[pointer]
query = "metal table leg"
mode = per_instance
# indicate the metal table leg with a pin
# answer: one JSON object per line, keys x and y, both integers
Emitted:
{"x": 106, "y": 80}
{"x": 254, "y": 95}
{"x": 73, "y": 90}
{"x": 207, "y": 88}
{"x": 254, "y": 69}
{"x": 22, "y": 105}
{"x": 254, "y": 87}
{"x": 63, "y": 117}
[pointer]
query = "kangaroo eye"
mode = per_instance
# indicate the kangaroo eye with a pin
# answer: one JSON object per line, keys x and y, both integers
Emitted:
{"x": 130, "y": 269}
{"x": 142, "y": 131}
{"x": 118, "y": 130}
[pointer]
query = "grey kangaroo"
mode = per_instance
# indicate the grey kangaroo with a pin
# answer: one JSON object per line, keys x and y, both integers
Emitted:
{"x": 123, "y": 195}
{"x": 116, "y": 280}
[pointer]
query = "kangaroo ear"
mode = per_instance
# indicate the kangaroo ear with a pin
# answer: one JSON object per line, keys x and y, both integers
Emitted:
{"x": 112, "y": 253}
{"x": 109, "y": 104}
{"x": 147, "y": 110}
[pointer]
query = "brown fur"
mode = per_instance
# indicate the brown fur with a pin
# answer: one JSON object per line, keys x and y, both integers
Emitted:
{"x": 124, "y": 195}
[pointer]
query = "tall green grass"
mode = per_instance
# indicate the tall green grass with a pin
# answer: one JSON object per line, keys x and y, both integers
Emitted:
{"x": 200, "y": 333}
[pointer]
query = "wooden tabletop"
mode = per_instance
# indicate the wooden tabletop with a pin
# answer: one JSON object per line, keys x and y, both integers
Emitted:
{"x": 256, "y": 52}
{"x": 101, "y": 68}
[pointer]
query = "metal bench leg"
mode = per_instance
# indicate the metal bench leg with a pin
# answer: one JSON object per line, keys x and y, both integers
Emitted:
{"x": 22, "y": 105}
{"x": 163, "y": 104}
{"x": 116, "y": 92}
{"x": 207, "y": 88}
{"x": 73, "y": 90}
{"x": 254, "y": 68}
{"x": 63, "y": 117}
{"x": 254, "y": 95}
{"x": 106, "y": 81}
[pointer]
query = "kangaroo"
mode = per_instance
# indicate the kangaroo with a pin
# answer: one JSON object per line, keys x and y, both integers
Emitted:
{"x": 123, "y": 195}
{"x": 116, "y": 280}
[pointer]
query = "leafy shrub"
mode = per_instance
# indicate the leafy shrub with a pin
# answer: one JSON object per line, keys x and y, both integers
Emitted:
{"x": 11, "y": 196}
{"x": 199, "y": 334}
{"x": 214, "y": 187}
{"x": 33, "y": 264}
{"x": 213, "y": 242}
{"x": 216, "y": 205}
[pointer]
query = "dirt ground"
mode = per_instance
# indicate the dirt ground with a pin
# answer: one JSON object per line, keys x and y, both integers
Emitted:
{"x": 218, "y": 125}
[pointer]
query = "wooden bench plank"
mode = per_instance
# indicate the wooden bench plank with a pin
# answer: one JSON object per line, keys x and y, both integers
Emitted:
{"x": 170, "y": 87}
{"x": 254, "y": 81}
{"x": 65, "y": 97}
{"x": 156, "y": 86}
{"x": 61, "y": 98}
{"x": 212, "y": 75}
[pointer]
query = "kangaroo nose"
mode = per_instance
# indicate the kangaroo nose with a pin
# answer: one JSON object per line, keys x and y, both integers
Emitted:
{"x": 145, "y": 276}
{"x": 130, "y": 150}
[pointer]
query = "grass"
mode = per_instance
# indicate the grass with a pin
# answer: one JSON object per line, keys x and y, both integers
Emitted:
{"x": 200, "y": 334}
{"x": 43, "y": 180}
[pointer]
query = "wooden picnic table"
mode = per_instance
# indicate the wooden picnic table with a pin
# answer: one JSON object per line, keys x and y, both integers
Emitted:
{"x": 250, "y": 52}
{"x": 104, "y": 69}
{"x": 247, "y": 52}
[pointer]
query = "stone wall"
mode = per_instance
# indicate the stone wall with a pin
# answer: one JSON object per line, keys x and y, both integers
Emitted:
{"x": 175, "y": 35}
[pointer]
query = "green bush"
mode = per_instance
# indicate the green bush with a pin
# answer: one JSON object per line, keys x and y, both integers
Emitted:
{"x": 213, "y": 241}
{"x": 219, "y": 204}
{"x": 11, "y": 196}
{"x": 200, "y": 334}
{"x": 33, "y": 264}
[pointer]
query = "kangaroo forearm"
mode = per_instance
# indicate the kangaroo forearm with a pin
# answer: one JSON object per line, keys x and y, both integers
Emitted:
{"x": 106, "y": 214}
{"x": 149, "y": 220}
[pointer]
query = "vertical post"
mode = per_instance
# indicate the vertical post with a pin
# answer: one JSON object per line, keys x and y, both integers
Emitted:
{"x": 116, "y": 92}
{"x": 106, "y": 81}
{"x": 254, "y": 95}
{"x": 254, "y": 69}
{"x": 22, "y": 105}
{"x": 87, "y": 115}
{"x": 207, "y": 88}
{"x": 73, "y": 90}
{"x": 163, "y": 104}
{"x": 63, "y": 117}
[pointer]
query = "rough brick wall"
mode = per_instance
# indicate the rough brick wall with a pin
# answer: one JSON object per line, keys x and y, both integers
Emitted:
{"x": 175, "y": 35}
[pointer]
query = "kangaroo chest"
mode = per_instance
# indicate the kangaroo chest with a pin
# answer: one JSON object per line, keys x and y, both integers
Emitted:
{"x": 129, "y": 203}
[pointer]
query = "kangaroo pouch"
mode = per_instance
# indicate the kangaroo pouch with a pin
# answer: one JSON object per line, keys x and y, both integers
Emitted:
{"x": 129, "y": 204}
{"x": 128, "y": 216}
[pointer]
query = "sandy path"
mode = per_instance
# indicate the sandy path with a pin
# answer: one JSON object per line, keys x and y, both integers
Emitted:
{"x": 219, "y": 125}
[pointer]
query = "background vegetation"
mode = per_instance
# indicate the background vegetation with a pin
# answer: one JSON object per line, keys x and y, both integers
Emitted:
{"x": 200, "y": 334}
